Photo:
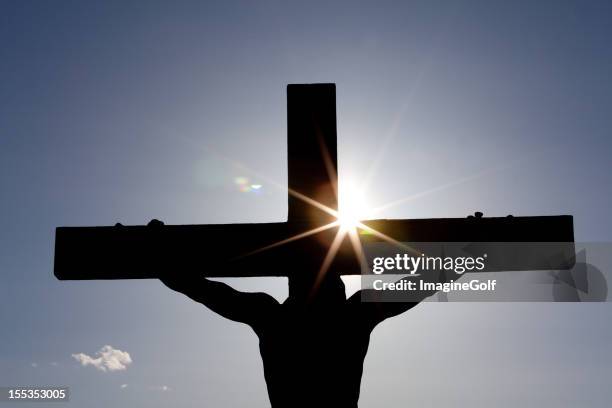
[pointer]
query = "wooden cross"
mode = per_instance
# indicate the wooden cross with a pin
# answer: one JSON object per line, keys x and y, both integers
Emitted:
{"x": 300, "y": 244}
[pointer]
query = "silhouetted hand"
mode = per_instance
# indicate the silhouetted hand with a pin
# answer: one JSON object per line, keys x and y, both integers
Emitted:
{"x": 174, "y": 282}
{"x": 168, "y": 277}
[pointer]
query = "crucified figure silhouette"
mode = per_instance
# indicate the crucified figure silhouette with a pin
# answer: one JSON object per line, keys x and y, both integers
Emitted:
{"x": 312, "y": 345}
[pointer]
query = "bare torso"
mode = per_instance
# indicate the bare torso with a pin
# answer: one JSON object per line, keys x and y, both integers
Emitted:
{"x": 313, "y": 356}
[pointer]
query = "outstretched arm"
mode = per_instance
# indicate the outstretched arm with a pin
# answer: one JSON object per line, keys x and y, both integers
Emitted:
{"x": 374, "y": 312}
{"x": 243, "y": 307}
{"x": 238, "y": 306}
{"x": 376, "y": 308}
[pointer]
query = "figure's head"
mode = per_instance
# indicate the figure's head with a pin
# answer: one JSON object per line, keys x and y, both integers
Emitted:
{"x": 309, "y": 289}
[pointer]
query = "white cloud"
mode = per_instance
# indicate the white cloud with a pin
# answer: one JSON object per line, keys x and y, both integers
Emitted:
{"x": 123, "y": 386}
{"x": 106, "y": 359}
{"x": 34, "y": 365}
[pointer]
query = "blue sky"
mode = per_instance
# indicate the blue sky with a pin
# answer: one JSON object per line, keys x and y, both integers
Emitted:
{"x": 127, "y": 111}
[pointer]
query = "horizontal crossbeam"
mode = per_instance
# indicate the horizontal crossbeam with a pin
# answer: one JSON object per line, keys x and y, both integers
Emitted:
{"x": 243, "y": 250}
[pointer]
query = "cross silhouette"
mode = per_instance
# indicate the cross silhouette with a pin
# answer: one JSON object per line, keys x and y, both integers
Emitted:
{"x": 300, "y": 244}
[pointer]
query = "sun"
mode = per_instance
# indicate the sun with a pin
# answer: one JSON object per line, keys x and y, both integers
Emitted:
{"x": 352, "y": 208}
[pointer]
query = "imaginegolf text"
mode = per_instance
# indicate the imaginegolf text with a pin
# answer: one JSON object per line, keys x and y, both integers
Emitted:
{"x": 473, "y": 285}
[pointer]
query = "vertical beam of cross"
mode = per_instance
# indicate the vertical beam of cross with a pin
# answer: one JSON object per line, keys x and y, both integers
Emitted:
{"x": 311, "y": 151}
